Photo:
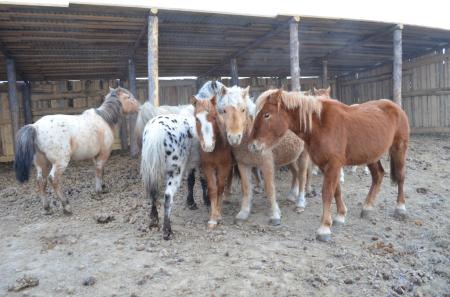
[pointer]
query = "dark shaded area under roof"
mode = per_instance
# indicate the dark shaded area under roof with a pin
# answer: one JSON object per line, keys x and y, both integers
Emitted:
{"x": 93, "y": 42}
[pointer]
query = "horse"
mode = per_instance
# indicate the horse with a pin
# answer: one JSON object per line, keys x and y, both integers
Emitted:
{"x": 327, "y": 94}
{"x": 170, "y": 147}
{"x": 336, "y": 135}
{"x": 236, "y": 112}
{"x": 216, "y": 157}
{"x": 57, "y": 139}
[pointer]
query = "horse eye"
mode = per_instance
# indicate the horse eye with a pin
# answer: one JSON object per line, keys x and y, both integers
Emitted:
{"x": 266, "y": 115}
{"x": 243, "y": 110}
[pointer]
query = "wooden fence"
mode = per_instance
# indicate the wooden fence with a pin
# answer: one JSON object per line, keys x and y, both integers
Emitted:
{"x": 73, "y": 97}
{"x": 425, "y": 90}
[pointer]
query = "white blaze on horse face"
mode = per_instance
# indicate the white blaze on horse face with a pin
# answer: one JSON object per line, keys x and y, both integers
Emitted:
{"x": 207, "y": 131}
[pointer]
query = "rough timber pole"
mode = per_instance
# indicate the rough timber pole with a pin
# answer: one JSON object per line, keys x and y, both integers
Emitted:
{"x": 294, "y": 54}
{"x": 234, "y": 73}
{"x": 12, "y": 97}
{"x": 26, "y": 100}
{"x": 123, "y": 128}
{"x": 324, "y": 74}
{"x": 132, "y": 117}
{"x": 152, "y": 55}
{"x": 397, "y": 65}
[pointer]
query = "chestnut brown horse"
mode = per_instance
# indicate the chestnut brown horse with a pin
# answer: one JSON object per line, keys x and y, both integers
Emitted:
{"x": 336, "y": 135}
{"x": 216, "y": 158}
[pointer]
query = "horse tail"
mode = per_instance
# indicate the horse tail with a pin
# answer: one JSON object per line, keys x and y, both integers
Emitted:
{"x": 153, "y": 161}
{"x": 24, "y": 152}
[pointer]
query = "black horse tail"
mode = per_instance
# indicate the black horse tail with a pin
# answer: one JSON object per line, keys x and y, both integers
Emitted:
{"x": 24, "y": 152}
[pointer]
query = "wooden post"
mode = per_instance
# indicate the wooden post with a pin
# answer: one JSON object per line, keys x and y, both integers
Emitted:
{"x": 294, "y": 54}
{"x": 123, "y": 128}
{"x": 152, "y": 56}
{"x": 134, "y": 150}
{"x": 397, "y": 65}
{"x": 26, "y": 101}
{"x": 234, "y": 73}
{"x": 12, "y": 98}
{"x": 324, "y": 74}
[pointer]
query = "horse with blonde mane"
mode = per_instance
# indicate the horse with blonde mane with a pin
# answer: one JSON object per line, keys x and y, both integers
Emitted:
{"x": 236, "y": 112}
{"x": 57, "y": 139}
{"x": 336, "y": 135}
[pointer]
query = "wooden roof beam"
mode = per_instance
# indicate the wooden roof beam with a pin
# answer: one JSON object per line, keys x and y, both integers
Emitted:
{"x": 255, "y": 43}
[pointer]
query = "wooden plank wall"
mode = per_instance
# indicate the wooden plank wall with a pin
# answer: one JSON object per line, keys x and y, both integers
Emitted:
{"x": 425, "y": 90}
{"x": 73, "y": 97}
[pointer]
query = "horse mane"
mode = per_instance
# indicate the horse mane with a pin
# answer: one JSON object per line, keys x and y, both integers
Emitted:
{"x": 111, "y": 110}
{"x": 209, "y": 89}
{"x": 307, "y": 105}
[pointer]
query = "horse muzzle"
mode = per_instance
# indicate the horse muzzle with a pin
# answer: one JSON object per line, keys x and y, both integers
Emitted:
{"x": 208, "y": 148}
{"x": 234, "y": 139}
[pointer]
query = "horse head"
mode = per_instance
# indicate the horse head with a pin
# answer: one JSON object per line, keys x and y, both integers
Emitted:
{"x": 129, "y": 103}
{"x": 235, "y": 112}
{"x": 205, "y": 113}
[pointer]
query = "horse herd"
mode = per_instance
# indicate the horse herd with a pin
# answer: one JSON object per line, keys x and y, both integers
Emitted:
{"x": 223, "y": 129}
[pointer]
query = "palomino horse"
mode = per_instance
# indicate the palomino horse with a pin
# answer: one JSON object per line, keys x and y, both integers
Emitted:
{"x": 337, "y": 135}
{"x": 57, "y": 139}
{"x": 169, "y": 147}
{"x": 236, "y": 112}
{"x": 327, "y": 94}
{"x": 215, "y": 156}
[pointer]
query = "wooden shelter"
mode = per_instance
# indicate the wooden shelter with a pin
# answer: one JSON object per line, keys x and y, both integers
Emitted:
{"x": 85, "y": 42}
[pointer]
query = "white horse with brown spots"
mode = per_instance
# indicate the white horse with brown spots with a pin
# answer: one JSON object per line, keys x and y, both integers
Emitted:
{"x": 57, "y": 139}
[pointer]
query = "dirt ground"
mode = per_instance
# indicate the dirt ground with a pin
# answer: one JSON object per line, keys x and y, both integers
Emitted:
{"x": 380, "y": 256}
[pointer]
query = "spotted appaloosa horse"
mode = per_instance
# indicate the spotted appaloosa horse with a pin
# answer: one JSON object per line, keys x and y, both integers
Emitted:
{"x": 336, "y": 135}
{"x": 57, "y": 139}
{"x": 215, "y": 154}
{"x": 236, "y": 112}
{"x": 169, "y": 148}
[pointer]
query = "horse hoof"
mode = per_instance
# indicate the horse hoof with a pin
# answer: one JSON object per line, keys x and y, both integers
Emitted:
{"x": 323, "y": 237}
{"x": 275, "y": 222}
{"x": 299, "y": 209}
{"x": 193, "y": 206}
{"x": 67, "y": 212}
{"x": 154, "y": 224}
{"x": 166, "y": 236}
{"x": 337, "y": 223}
{"x": 400, "y": 214}
{"x": 48, "y": 211}
{"x": 212, "y": 225}
{"x": 239, "y": 222}
{"x": 365, "y": 213}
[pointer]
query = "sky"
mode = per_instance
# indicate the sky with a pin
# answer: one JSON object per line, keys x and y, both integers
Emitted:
{"x": 430, "y": 13}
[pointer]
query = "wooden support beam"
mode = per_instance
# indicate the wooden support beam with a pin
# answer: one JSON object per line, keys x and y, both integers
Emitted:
{"x": 234, "y": 73}
{"x": 397, "y": 65}
{"x": 134, "y": 150}
{"x": 324, "y": 74}
{"x": 123, "y": 127}
{"x": 12, "y": 97}
{"x": 152, "y": 52}
{"x": 252, "y": 45}
{"x": 26, "y": 102}
{"x": 294, "y": 54}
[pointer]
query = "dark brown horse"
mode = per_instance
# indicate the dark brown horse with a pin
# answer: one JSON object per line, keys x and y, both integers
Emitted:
{"x": 337, "y": 135}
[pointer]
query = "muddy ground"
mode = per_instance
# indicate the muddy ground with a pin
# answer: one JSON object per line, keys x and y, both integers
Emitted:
{"x": 77, "y": 256}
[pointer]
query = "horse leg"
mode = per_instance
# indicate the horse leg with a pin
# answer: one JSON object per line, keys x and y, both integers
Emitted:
{"x": 229, "y": 184}
{"x": 204, "y": 184}
{"x": 330, "y": 181}
{"x": 42, "y": 164}
{"x": 340, "y": 206}
{"x": 246, "y": 186}
{"x": 190, "y": 196}
{"x": 153, "y": 197}
{"x": 100, "y": 162}
{"x": 269, "y": 186}
{"x": 212, "y": 193}
{"x": 293, "y": 193}
{"x": 377, "y": 172}
{"x": 172, "y": 185}
{"x": 222, "y": 173}
{"x": 55, "y": 179}
{"x": 398, "y": 172}
{"x": 302, "y": 162}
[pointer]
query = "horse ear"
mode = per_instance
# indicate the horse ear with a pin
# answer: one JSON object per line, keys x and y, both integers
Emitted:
{"x": 194, "y": 100}
{"x": 213, "y": 100}
{"x": 246, "y": 91}
{"x": 223, "y": 91}
{"x": 314, "y": 90}
{"x": 329, "y": 90}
